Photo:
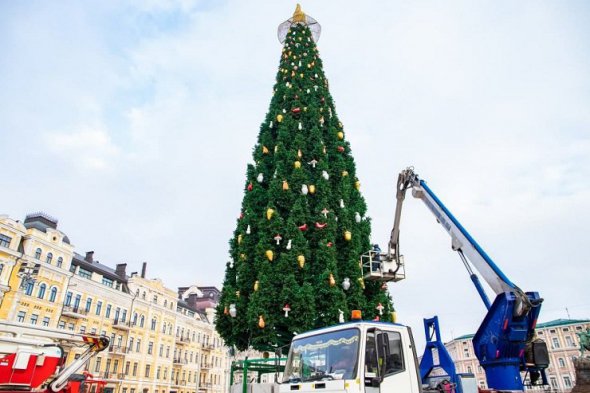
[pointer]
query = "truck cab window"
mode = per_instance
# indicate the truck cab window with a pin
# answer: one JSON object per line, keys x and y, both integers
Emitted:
{"x": 393, "y": 353}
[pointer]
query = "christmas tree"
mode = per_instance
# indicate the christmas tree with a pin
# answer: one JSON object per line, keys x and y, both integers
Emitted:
{"x": 302, "y": 229}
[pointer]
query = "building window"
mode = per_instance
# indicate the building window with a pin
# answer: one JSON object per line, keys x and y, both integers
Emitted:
{"x": 167, "y": 352}
{"x": 161, "y": 350}
{"x": 93, "y": 330}
{"x": 38, "y": 253}
{"x": 569, "y": 341}
{"x": 150, "y": 348}
{"x": 116, "y": 365}
{"x": 553, "y": 381}
{"x": 138, "y": 346}
{"x": 107, "y": 281}
{"x": 141, "y": 321}
{"x": 52, "y": 294}
{"x": 469, "y": 370}
{"x": 158, "y": 372}
{"x": 49, "y": 258}
{"x": 77, "y": 301}
{"x": 72, "y": 268}
{"x": 156, "y": 299}
{"x": 123, "y": 315}
{"x": 82, "y": 329}
{"x": 68, "y": 299}
{"x": 108, "y": 311}
{"x": 98, "y": 307}
{"x": 21, "y": 316}
{"x": 130, "y": 344}
{"x": 567, "y": 381}
{"x": 147, "y": 370}
{"x": 97, "y": 365}
{"x": 41, "y": 293}
{"x": 127, "y": 365}
{"x": 154, "y": 322}
{"x": 29, "y": 288}
{"x": 561, "y": 362}
{"x": 60, "y": 261}
{"x": 61, "y": 325}
{"x": 566, "y": 329}
{"x": 71, "y": 326}
{"x": 5, "y": 241}
{"x": 34, "y": 319}
{"x": 88, "y": 304}
{"x": 555, "y": 341}
{"x": 134, "y": 369}
{"x": 134, "y": 319}
{"x": 84, "y": 273}
{"x": 46, "y": 321}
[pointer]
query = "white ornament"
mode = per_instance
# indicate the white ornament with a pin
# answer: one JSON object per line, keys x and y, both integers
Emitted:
{"x": 340, "y": 316}
{"x": 316, "y": 75}
{"x": 300, "y": 126}
{"x": 346, "y": 284}
{"x": 342, "y": 203}
{"x": 315, "y": 87}
{"x": 313, "y": 163}
{"x": 278, "y": 239}
{"x": 232, "y": 310}
{"x": 270, "y": 124}
{"x": 304, "y": 189}
{"x": 325, "y": 175}
{"x": 260, "y": 178}
{"x": 299, "y": 63}
{"x": 308, "y": 91}
{"x": 357, "y": 217}
{"x": 284, "y": 110}
{"x": 248, "y": 230}
{"x": 289, "y": 244}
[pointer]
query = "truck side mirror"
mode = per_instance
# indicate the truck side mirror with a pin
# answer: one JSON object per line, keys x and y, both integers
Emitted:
{"x": 382, "y": 351}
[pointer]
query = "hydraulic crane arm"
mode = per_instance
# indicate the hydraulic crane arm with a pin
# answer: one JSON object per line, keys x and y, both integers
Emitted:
{"x": 509, "y": 325}
{"x": 462, "y": 242}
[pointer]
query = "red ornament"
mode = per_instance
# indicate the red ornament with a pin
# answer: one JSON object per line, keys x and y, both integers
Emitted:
{"x": 250, "y": 186}
{"x": 296, "y": 110}
{"x": 303, "y": 227}
{"x": 329, "y": 244}
{"x": 241, "y": 215}
{"x": 377, "y": 318}
{"x": 341, "y": 149}
{"x": 320, "y": 226}
{"x": 322, "y": 100}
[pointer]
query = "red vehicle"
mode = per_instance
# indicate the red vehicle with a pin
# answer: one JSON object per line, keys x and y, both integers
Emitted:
{"x": 32, "y": 359}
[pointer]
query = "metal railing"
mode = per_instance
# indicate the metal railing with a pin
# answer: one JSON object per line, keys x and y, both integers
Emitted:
{"x": 74, "y": 309}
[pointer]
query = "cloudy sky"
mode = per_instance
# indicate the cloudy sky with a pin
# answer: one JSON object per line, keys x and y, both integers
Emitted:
{"x": 133, "y": 122}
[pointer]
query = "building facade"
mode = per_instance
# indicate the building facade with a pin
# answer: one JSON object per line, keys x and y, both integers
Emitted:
{"x": 562, "y": 343}
{"x": 161, "y": 341}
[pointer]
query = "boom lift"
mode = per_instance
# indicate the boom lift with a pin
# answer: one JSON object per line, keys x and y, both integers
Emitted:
{"x": 32, "y": 357}
{"x": 501, "y": 341}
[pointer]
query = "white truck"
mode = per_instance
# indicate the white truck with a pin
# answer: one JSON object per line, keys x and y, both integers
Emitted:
{"x": 358, "y": 356}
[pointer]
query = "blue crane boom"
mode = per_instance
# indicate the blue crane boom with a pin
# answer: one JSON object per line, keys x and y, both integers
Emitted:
{"x": 509, "y": 324}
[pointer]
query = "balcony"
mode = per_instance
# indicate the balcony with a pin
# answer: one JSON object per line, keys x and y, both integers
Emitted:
{"x": 182, "y": 340}
{"x": 121, "y": 325}
{"x": 74, "y": 312}
{"x": 118, "y": 350}
{"x": 206, "y": 365}
{"x": 180, "y": 361}
{"x": 208, "y": 347}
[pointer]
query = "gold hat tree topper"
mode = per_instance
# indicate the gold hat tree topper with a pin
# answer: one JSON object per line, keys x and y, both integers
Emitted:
{"x": 299, "y": 17}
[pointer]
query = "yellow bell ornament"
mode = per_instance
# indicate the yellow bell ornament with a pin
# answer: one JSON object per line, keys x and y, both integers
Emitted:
{"x": 269, "y": 213}
{"x": 301, "y": 261}
{"x": 331, "y": 280}
{"x": 347, "y": 235}
{"x": 285, "y": 185}
{"x": 297, "y": 164}
{"x": 311, "y": 189}
{"x": 340, "y": 135}
{"x": 269, "y": 255}
{"x": 279, "y": 118}
{"x": 256, "y": 285}
{"x": 261, "y": 323}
